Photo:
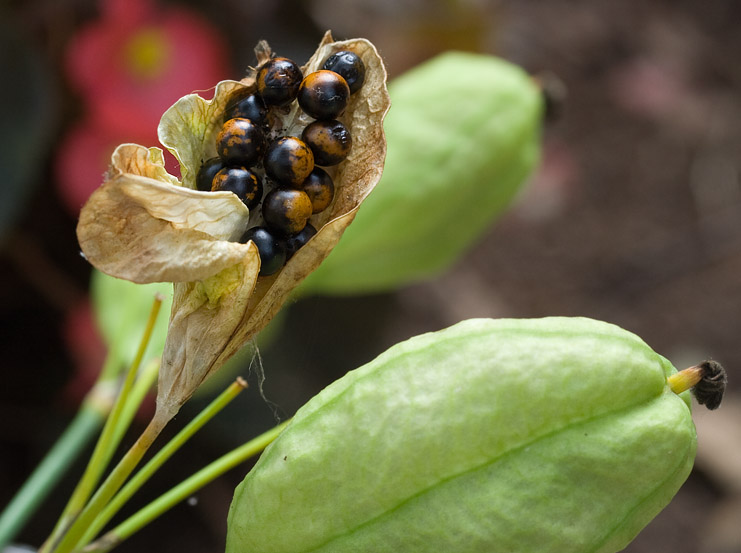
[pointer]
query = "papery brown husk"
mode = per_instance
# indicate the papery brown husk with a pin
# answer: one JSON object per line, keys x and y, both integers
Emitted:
{"x": 144, "y": 225}
{"x": 199, "y": 341}
{"x": 140, "y": 226}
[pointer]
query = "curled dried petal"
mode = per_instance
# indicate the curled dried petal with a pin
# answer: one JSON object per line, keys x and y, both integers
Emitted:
{"x": 200, "y": 329}
{"x": 189, "y": 128}
{"x": 141, "y": 227}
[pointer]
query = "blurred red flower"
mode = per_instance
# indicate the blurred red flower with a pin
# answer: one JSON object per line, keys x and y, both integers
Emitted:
{"x": 129, "y": 66}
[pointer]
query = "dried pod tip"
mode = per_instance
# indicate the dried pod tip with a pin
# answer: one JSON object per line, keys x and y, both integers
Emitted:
{"x": 554, "y": 93}
{"x": 707, "y": 380}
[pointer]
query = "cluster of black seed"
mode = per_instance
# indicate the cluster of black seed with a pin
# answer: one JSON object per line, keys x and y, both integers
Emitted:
{"x": 261, "y": 165}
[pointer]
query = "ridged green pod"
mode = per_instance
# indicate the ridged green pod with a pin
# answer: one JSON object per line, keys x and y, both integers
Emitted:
{"x": 556, "y": 434}
{"x": 462, "y": 135}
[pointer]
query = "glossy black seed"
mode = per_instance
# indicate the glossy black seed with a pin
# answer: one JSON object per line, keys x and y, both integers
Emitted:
{"x": 240, "y": 142}
{"x": 320, "y": 189}
{"x": 207, "y": 172}
{"x": 297, "y": 241}
{"x": 330, "y": 141}
{"x": 246, "y": 105}
{"x": 278, "y": 81}
{"x": 288, "y": 161}
{"x": 272, "y": 251}
{"x": 240, "y": 180}
{"x": 350, "y": 66}
{"x": 286, "y": 210}
{"x": 323, "y": 95}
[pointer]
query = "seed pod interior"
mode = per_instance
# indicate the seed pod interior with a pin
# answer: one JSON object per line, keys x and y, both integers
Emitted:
{"x": 146, "y": 225}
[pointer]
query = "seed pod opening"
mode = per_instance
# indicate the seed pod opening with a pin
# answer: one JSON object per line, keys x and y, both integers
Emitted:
{"x": 146, "y": 225}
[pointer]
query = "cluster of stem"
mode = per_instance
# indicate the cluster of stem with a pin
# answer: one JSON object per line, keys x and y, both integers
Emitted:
{"x": 92, "y": 506}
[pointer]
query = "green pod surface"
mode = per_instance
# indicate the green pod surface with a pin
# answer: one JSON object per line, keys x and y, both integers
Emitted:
{"x": 462, "y": 135}
{"x": 557, "y": 435}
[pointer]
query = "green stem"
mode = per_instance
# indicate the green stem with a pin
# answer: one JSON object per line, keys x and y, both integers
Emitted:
{"x": 183, "y": 490}
{"x": 63, "y": 453}
{"x": 141, "y": 477}
{"x": 144, "y": 383}
{"x": 107, "y": 442}
{"x": 110, "y": 486}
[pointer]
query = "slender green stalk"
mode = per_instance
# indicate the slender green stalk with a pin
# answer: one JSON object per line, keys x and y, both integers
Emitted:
{"x": 106, "y": 444}
{"x": 110, "y": 486}
{"x": 141, "y": 477}
{"x": 183, "y": 490}
{"x": 144, "y": 382}
{"x": 41, "y": 482}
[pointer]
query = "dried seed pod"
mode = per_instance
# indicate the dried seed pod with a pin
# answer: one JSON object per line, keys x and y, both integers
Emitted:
{"x": 145, "y": 225}
{"x": 556, "y": 434}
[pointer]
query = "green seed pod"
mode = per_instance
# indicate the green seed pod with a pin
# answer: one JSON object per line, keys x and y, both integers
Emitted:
{"x": 558, "y": 435}
{"x": 463, "y": 135}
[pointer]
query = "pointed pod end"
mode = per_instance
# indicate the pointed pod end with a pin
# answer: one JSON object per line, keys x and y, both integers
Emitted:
{"x": 707, "y": 382}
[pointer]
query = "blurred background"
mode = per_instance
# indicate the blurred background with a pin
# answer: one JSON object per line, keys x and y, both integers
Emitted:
{"x": 634, "y": 215}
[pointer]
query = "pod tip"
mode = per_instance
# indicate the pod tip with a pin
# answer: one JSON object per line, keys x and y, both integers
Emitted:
{"x": 706, "y": 381}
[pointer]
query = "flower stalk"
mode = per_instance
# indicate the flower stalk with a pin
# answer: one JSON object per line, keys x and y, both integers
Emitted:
{"x": 183, "y": 490}
{"x": 110, "y": 437}
{"x": 141, "y": 477}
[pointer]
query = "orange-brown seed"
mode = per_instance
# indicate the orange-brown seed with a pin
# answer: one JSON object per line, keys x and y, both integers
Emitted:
{"x": 240, "y": 142}
{"x": 286, "y": 210}
{"x": 288, "y": 161}
{"x": 323, "y": 94}
{"x": 320, "y": 189}
{"x": 278, "y": 81}
{"x": 242, "y": 182}
{"x": 330, "y": 141}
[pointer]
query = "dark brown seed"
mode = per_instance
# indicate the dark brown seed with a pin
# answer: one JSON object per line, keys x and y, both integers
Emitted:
{"x": 240, "y": 142}
{"x": 272, "y": 250}
{"x": 330, "y": 141}
{"x": 298, "y": 241}
{"x": 246, "y": 105}
{"x": 240, "y": 180}
{"x": 320, "y": 189}
{"x": 350, "y": 66}
{"x": 278, "y": 81}
{"x": 286, "y": 210}
{"x": 323, "y": 94}
{"x": 207, "y": 172}
{"x": 288, "y": 161}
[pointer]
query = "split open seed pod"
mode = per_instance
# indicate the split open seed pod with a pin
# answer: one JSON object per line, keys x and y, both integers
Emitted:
{"x": 146, "y": 225}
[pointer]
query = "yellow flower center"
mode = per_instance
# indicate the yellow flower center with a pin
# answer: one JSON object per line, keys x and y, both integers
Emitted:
{"x": 146, "y": 54}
